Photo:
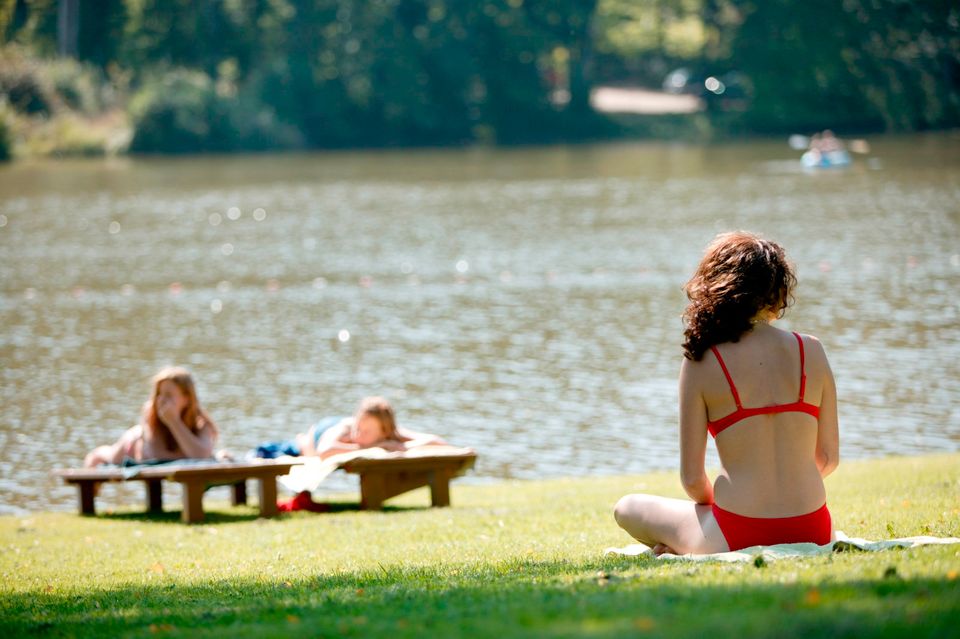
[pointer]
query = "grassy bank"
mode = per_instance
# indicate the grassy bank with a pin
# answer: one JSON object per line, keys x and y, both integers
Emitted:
{"x": 508, "y": 559}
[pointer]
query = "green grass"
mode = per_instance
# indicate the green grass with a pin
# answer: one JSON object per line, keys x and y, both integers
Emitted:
{"x": 515, "y": 558}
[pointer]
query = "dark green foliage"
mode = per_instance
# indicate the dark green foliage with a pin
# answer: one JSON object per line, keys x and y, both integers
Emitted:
{"x": 182, "y": 111}
{"x": 80, "y": 87}
{"x": 854, "y": 65}
{"x": 32, "y": 22}
{"x": 22, "y": 86}
{"x": 174, "y": 114}
{"x": 101, "y": 30}
{"x": 6, "y": 144}
{"x": 339, "y": 73}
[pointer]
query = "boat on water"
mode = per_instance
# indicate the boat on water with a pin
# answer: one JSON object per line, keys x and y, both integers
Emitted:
{"x": 815, "y": 159}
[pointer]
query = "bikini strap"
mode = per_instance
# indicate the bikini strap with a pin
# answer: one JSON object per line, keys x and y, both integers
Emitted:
{"x": 733, "y": 389}
{"x": 803, "y": 374}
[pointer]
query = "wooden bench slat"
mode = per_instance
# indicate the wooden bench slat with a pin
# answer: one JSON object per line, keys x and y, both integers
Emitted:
{"x": 464, "y": 462}
{"x": 165, "y": 470}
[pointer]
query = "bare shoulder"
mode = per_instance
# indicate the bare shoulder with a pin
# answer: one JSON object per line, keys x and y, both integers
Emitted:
{"x": 812, "y": 343}
{"x": 694, "y": 367}
{"x": 341, "y": 431}
{"x": 813, "y": 350}
{"x": 693, "y": 373}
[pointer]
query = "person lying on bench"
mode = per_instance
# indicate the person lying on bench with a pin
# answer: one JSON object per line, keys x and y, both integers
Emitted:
{"x": 173, "y": 425}
{"x": 374, "y": 425}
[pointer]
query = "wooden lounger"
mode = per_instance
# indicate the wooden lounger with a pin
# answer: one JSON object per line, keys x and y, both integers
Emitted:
{"x": 194, "y": 477}
{"x": 381, "y": 479}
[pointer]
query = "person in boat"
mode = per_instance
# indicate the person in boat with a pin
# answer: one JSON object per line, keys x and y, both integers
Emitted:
{"x": 172, "y": 425}
{"x": 830, "y": 143}
{"x": 373, "y": 425}
{"x": 767, "y": 397}
{"x": 827, "y": 150}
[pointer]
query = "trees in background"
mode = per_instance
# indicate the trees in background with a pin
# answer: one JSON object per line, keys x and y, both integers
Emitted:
{"x": 851, "y": 64}
{"x": 332, "y": 73}
{"x": 256, "y": 74}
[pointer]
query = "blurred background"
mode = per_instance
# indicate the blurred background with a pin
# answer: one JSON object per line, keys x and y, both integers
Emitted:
{"x": 91, "y": 77}
{"x": 484, "y": 210}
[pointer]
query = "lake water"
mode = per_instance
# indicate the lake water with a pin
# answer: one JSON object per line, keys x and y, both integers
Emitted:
{"x": 525, "y": 302}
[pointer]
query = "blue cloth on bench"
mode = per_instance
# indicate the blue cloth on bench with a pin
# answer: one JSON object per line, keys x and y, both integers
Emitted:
{"x": 272, "y": 450}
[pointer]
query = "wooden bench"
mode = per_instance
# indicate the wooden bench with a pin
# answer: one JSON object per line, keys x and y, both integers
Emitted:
{"x": 195, "y": 478}
{"x": 381, "y": 479}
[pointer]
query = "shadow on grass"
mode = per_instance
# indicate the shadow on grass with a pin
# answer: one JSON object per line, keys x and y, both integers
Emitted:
{"x": 173, "y": 516}
{"x": 345, "y": 506}
{"x": 605, "y": 597}
{"x": 237, "y": 514}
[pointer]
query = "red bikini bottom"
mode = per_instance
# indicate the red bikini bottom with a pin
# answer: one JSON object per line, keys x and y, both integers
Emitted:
{"x": 743, "y": 532}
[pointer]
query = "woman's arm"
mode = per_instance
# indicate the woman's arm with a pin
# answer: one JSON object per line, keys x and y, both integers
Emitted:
{"x": 332, "y": 441}
{"x": 309, "y": 443}
{"x": 194, "y": 445}
{"x": 693, "y": 437}
{"x": 335, "y": 449}
{"x": 197, "y": 445}
{"x": 828, "y": 424}
{"x": 412, "y": 438}
{"x": 305, "y": 442}
{"x": 112, "y": 453}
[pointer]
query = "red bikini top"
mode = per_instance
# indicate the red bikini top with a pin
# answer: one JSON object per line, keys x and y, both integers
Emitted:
{"x": 799, "y": 406}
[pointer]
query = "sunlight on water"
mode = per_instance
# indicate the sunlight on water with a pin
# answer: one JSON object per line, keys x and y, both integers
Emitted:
{"x": 523, "y": 302}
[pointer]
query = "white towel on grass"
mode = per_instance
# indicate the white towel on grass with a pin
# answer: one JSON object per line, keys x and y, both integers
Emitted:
{"x": 842, "y": 543}
{"x": 309, "y": 474}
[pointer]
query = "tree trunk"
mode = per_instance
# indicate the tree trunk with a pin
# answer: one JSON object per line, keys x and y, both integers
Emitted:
{"x": 68, "y": 27}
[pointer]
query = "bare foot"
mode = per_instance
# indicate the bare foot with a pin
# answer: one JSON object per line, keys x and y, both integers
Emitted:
{"x": 660, "y": 549}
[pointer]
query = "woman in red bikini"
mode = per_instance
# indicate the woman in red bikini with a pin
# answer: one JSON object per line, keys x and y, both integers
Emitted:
{"x": 768, "y": 398}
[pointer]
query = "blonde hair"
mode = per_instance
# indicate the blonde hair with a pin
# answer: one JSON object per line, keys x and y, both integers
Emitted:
{"x": 193, "y": 416}
{"x": 380, "y": 408}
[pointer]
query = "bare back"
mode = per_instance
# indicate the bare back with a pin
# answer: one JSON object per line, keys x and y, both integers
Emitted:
{"x": 769, "y": 461}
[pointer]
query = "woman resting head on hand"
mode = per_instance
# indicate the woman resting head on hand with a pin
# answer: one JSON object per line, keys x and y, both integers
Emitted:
{"x": 768, "y": 398}
{"x": 173, "y": 425}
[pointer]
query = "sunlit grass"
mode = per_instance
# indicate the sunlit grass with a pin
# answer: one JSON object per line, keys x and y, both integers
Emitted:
{"x": 508, "y": 559}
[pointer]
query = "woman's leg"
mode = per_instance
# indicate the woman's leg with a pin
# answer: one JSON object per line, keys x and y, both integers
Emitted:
{"x": 678, "y": 524}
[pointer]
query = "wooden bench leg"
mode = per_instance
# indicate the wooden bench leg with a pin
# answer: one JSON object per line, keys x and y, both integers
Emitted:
{"x": 440, "y": 488}
{"x": 268, "y": 496}
{"x": 240, "y": 493}
{"x": 372, "y": 490}
{"x": 88, "y": 490}
{"x": 154, "y": 495}
{"x": 192, "y": 501}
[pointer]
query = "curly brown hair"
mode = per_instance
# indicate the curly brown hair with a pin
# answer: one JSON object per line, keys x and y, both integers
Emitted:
{"x": 740, "y": 275}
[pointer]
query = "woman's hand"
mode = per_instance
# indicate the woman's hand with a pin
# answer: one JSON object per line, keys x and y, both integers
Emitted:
{"x": 167, "y": 412}
{"x": 197, "y": 445}
{"x": 660, "y": 549}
